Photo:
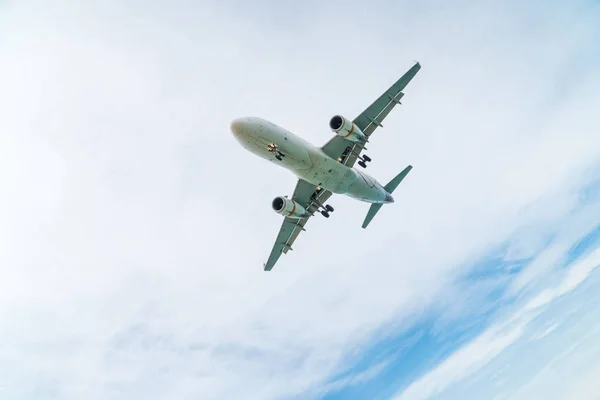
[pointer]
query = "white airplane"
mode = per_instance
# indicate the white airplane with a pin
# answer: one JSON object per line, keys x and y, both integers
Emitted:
{"x": 325, "y": 170}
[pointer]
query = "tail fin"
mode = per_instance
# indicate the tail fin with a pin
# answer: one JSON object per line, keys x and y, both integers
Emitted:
{"x": 393, "y": 184}
{"x": 372, "y": 211}
{"x": 390, "y": 187}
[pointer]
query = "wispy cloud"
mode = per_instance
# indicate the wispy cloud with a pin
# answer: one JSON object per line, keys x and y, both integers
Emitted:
{"x": 474, "y": 356}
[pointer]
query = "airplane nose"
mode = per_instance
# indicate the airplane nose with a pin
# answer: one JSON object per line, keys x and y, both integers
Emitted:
{"x": 237, "y": 126}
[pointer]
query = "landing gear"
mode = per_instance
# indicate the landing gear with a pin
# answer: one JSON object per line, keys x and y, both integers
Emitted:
{"x": 363, "y": 160}
{"x": 326, "y": 209}
{"x": 273, "y": 148}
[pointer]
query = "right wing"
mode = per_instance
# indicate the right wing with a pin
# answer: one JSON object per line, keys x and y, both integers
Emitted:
{"x": 304, "y": 194}
{"x": 348, "y": 151}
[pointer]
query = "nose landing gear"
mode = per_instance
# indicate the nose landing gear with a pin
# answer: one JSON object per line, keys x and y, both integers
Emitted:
{"x": 273, "y": 148}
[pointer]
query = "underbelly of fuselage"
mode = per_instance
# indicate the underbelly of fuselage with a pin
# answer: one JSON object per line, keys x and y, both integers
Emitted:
{"x": 309, "y": 162}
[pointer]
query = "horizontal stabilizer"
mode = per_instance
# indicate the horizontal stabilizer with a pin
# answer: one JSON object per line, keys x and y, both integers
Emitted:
{"x": 372, "y": 211}
{"x": 390, "y": 187}
{"x": 393, "y": 184}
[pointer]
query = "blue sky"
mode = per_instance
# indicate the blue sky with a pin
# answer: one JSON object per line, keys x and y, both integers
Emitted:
{"x": 431, "y": 339}
{"x": 134, "y": 227}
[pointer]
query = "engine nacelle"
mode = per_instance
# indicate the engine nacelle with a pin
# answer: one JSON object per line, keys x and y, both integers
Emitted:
{"x": 287, "y": 207}
{"x": 346, "y": 129}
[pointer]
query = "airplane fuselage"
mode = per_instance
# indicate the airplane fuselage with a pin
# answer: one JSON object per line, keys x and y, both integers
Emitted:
{"x": 306, "y": 161}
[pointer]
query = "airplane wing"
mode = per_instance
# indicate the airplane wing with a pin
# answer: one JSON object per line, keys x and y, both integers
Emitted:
{"x": 371, "y": 118}
{"x": 304, "y": 194}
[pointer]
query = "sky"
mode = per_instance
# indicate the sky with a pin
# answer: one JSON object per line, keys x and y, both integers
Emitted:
{"x": 134, "y": 227}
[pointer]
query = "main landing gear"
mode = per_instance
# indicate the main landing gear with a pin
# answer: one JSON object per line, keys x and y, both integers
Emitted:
{"x": 326, "y": 209}
{"x": 364, "y": 160}
{"x": 273, "y": 148}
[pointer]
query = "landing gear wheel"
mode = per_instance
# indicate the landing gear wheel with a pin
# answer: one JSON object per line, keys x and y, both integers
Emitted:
{"x": 329, "y": 208}
{"x": 362, "y": 164}
{"x": 366, "y": 158}
{"x": 325, "y": 214}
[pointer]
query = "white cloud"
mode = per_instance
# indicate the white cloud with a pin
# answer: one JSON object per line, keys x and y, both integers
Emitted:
{"x": 545, "y": 332}
{"x": 474, "y": 356}
{"x": 352, "y": 379}
{"x": 466, "y": 360}
{"x": 134, "y": 226}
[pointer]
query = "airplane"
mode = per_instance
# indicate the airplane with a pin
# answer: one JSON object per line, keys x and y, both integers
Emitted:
{"x": 323, "y": 171}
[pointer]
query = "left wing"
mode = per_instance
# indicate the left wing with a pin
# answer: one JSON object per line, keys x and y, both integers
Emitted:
{"x": 369, "y": 120}
{"x": 304, "y": 194}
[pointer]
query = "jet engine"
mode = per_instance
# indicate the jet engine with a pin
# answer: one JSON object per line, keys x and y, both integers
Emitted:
{"x": 287, "y": 207}
{"x": 346, "y": 129}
